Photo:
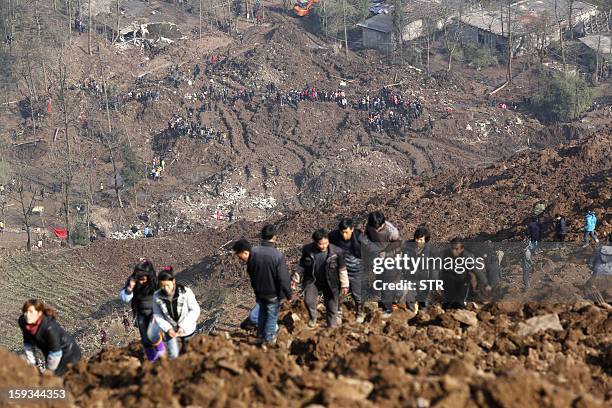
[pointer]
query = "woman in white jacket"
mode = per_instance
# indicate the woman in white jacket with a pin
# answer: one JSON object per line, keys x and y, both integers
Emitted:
{"x": 175, "y": 311}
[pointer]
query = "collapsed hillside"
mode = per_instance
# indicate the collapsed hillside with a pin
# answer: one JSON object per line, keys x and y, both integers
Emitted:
{"x": 267, "y": 159}
{"x": 491, "y": 202}
{"x": 472, "y": 358}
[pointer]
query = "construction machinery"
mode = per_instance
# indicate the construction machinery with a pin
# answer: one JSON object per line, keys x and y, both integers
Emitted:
{"x": 302, "y": 7}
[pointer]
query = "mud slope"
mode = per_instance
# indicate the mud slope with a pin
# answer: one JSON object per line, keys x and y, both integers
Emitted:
{"x": 472, "y": 358}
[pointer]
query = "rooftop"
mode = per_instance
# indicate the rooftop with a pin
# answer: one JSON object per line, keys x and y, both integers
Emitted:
{"x": 414, "y": 10}
{"x": 603, "y": 42}
{"x": 381, "y": 22}
{"x": 524, "y": 14}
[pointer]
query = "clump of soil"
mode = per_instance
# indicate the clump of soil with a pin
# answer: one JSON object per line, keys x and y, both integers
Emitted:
{"x": 434, "y": 359}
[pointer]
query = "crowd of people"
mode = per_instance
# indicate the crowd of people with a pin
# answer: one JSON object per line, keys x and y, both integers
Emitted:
{"x": 190, "y": 126}
{"x": 333, "y": 265}
{"x": 145, "y": 96}
{"x": 535, "y": 232}
{"x": 294, "y": 97}
{"x": 390, "y": 110}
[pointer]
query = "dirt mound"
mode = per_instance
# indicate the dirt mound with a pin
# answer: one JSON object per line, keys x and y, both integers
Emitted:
{"x": 15, "y": 373}
{"x": 435, "y": 359}
{"x": 493, "y": 202}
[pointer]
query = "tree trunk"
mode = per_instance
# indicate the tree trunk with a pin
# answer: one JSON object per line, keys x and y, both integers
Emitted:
{"x": 596, "y": 79}
{"x": 89, "y": 28}
{"x": 229, "y": 17}
{"x": 69, "y": 9}
{"x": 25, "y": 211}
{"x": 68, "y": 175}
{"x": 200, "y": 29}
{"x": 118, "y": 34}
{"x": 561, "y": 39}
{"x": 345, "y": 34}
{"x": 427, "y": 40}
{"x": 509, "y": 74}
{"x": 115, "y": 181}
{"x": 569, "y": 18}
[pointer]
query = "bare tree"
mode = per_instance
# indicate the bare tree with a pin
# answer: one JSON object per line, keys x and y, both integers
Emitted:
{"x": 200, "y": 29}
{"x": 68, "y": 165}
{"x": 26, "y": 198}
{"x": 510, "y": 54}
{"x": 344, "y": 23}
{"x": 399, "y": 21}
{"x": 570, "y": 12}
{"x": 116, "y": 37}
{"x": 452, "y": 28}
{"x": 540, "y": 26}
{"x": 89, "y": 28}
{"x": 559, "y": 21}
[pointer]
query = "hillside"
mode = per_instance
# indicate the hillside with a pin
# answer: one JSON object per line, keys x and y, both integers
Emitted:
{"x": 451, "y": 203}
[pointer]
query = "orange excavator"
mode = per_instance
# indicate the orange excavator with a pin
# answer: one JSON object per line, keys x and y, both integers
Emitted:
{"x": 302, "y": 7}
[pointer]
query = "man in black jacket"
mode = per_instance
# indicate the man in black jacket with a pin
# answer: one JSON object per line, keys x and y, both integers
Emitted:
{"x": 560, "y": 229}
{"x": 346, "y": 237}
{"x": 460, "y": 271}
{"x": 267, "y": 269}
{"x": 323, "y": 268}
{"x": 534, "y": 232}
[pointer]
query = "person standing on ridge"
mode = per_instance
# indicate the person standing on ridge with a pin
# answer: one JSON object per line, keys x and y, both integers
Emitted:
{"x": 323, "y": 269}
{"x": 270, "y": 280}
{"x": 590, "y": 222}
{"x": 346, "y": 237}
{"x": 138, "y": 291}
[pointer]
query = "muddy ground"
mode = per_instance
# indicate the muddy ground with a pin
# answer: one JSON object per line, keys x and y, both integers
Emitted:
{"x": 479, "y": 357}
{"x": 273, "y": 160}
{"x": 491, "y": 202}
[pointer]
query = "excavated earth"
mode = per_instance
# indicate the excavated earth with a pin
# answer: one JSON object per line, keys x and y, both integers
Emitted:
{"x": 469, "y": 358}
{"x": 476, "y": 358}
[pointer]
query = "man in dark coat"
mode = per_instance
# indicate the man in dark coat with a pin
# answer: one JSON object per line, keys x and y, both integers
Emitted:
{"x": 270, "y": 280}
{"x": 323, "y": 269}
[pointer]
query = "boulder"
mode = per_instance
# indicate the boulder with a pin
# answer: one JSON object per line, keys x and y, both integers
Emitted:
{"x": 539, "y": 323}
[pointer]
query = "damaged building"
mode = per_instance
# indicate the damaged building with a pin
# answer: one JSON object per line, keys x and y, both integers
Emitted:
{"x": 420, "y": 18}
{"x": 532, "y": 23}
{"x": 598, "y": 44}
{"x": 138, "y": 21}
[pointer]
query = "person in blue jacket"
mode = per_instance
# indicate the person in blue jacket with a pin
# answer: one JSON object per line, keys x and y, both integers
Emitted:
{"x": 590, "y": 222}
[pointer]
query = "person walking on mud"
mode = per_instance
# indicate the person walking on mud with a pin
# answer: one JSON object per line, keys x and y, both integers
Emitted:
{"x": 138, "y": 291}
{"x": 459, "y": 275}
{"x": 270, "y": 280}
{"x": 175, "y": 312}
{"x": 346, "y": 237}
{"x": 560, "y": 230}
{"x": 382, "y": 239}
{"x": 419, "y": 247}
{"x": 41, "y": 330}
{"x": 322, "y": 269}
{"x": 590, "y": 223}
{"x": 534, "y": 233}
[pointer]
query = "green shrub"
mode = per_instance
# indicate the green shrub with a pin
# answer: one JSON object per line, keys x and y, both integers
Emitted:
{"x": 79, "y": 234}
{"x": 133, "y": 169}
{"x": 479, "y": 57}
{"x": 561, "y": 97}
